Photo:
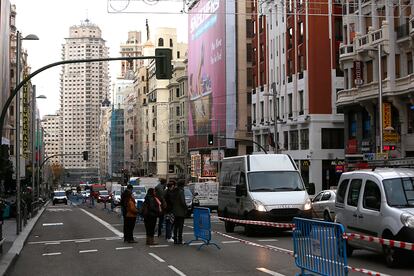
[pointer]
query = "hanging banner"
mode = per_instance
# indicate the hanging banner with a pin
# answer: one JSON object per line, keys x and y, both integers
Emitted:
{"x": 26, "y": 121}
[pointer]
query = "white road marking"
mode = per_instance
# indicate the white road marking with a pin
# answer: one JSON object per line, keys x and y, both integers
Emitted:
{"x": 279, "y": 248}
{"x": 51, "y": 254}
{"x": 230, "y": 242}
{"x": 104, "y": 223}
{"x": 196, "y": 243}
{"x": 176, "y": 270}
{"x": 82, "y": 241}
{"x": 159, "y": 245}
{"x": 270, "y": 272}
{"x": 88, "y": 251}
{"x": 52, "y": 224}
{"x": 74, "y": 240}
{"x": 123, "y": 248}
{"x": 51, "y": 243}
{"x": 114, "y": 238}
{"x": 59, "y": 210}
{"x": 268, "y": 240}
{"x": 156, "y": 257}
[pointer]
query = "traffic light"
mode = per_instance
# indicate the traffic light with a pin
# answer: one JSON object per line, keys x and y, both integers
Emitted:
{"x": 388, "y": 147}
{"x": 210, "y": 139}
{"x": 163, "y": 67}
{"x": 85, "y": 155}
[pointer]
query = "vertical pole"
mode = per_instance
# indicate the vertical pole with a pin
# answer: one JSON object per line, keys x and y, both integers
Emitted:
{"x": 39, "y": 159}
{"x": 380, "y": 97}
{"x": 34, "y": 140}
{"x": 218, "y": 148}
{"x": 168, "y": 163}
{"x": 275, "y": 135}
{"x": 17, "y": 146}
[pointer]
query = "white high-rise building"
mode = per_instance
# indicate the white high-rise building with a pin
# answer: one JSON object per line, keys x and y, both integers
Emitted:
{"x": 83, "y": 88}
{"x": 50, "y": 125}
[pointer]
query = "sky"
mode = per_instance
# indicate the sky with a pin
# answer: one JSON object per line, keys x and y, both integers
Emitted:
{"x": 50, "y": 21}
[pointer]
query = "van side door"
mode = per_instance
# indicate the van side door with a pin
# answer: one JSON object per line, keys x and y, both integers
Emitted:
{"x": 351, "y": 205}
{"x": 369, "y": 211}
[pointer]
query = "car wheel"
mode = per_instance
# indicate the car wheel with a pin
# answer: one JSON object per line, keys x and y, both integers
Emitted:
{"x": 229, "y": 226}
{"x": 392, "y": 256}
{"x": 326, "y": 216}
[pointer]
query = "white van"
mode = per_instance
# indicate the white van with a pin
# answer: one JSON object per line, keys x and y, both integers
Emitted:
{"x": 205, "y": 193}
{"x": 265, "y": 187}
{"x": 379, "y": 203}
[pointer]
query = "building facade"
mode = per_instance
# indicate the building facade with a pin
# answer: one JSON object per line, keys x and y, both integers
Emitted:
{"x": 377, "y": 35}
{"x": 83, "y": 88}
{"x": 51, "y": 134}
{"x": 131, "y": 48}
{"x": 297, "y": 77}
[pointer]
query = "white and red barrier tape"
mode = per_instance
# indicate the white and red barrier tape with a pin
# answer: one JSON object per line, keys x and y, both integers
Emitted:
{"x": 261, "y": 223}
{"x": 392, "y": 243}
{"x": 366, "y": 271}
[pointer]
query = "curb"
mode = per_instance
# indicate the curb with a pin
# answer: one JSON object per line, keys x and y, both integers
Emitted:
{"x": 10, "y": 257}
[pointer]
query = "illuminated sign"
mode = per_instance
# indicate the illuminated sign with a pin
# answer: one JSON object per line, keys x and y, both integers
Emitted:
{"x": 388, "y": 147}
{"x": 386, "y": 115}
{"x": 26, "y": 121}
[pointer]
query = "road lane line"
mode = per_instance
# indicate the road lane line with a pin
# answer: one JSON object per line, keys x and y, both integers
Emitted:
{"x": 104, "y": 223}
{"x": 230, "y": 242}
{"x": 270, "y": 272}
{"x": 51, "y": 254}
{"x": 196, "y": 243}
{"x": 123, "y": 248}
{"x": 74, "y": 240}
{"x": 88, "y": 251}
{"x": 268, "y": 240}
{"x": 51, "y": 243}
{"x": 82, "y": 241}
{"x": 156, "y": 257}
{"x": 52, "y": 224}
{"x": 176, "y": 270}
{"x": 159, "y": 245}
{"x": 112, "y": 239}
{"x": 280, "y": 248}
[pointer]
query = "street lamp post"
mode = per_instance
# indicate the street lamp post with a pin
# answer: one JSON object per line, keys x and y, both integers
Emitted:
{"x": 17, "y": 146}
{"x": 380, "y": 98}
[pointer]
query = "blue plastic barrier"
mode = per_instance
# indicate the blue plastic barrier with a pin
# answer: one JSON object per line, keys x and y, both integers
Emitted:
{"x": 202, "y": 227}
{"x": 319, "y": 247}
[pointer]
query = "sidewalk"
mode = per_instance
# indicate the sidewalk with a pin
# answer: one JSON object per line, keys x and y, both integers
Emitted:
{"x": 13, "y": 244}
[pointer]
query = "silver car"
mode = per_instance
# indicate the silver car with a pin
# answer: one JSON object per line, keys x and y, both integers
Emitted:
{"x": 323, "y": 205}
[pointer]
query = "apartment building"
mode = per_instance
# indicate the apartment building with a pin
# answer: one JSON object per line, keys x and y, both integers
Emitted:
{"x": 51, "y": 136}
{"x": 178, "y": 123}
{"x": 297, "y": 76}
{"x": 377, "y": 56}
{"x": 131, "y": 48}
{"x": 105, "y": 148}
{"x": 83, "y": 88}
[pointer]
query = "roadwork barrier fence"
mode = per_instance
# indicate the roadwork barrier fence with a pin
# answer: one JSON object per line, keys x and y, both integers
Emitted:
{"x": 202, "y": 227}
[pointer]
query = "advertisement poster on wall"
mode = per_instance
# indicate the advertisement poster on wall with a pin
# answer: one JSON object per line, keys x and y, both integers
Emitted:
{"x": 206, "y": 71}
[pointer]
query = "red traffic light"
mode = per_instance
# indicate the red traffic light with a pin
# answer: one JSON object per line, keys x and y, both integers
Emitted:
{"x": 388, "y": 148}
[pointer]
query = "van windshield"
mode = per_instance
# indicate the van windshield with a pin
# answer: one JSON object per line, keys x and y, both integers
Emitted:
{"x": 275, "y": 181}
{"x": 400, "y": 192}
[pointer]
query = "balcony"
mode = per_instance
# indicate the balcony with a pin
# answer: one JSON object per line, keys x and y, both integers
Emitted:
{"x": 346, "y": 51}
{"x": 373, "y": 38}
{"x": 411, "y": 24}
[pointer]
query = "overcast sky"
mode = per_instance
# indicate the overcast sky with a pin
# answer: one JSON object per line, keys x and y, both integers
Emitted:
{"x": 50, "y": 21}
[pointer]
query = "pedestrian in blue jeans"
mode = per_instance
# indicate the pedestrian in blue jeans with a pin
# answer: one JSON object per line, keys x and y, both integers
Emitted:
{"x": 169, "y": 216}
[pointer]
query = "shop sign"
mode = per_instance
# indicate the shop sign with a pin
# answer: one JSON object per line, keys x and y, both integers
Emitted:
{"x": 25, "y": 118}
{"x": 352, "y": 146}
{"x": 386, "y": 115}
{"x": 337, "y": 162}
{"x": 368, "y": 156}
{"x": 366, "y": 146}
{"x": 209, "y": 168}
{"x": 358, "y": 73}
{"x": 339, "y": 168}
{"x": 390, "y": 137}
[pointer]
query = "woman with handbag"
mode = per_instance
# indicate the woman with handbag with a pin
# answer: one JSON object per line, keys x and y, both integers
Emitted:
{"x": 151, "y": 210}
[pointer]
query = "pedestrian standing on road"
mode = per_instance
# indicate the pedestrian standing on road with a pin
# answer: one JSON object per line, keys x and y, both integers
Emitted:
{"x": 168, "y": 213}
{"x": 160, "y": 190}
{"x": 124, "y": 206}
{"x": 151, "y": 210}
{"x": 130, "y": 217}
{"x": 179, "y": 211}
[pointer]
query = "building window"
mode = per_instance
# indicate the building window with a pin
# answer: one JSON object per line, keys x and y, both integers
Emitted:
{"x": 304, "y": 139}
{"x": 160, "y": 42}
{"x": 300, "y": 32}
{"x": 177, "y": 110}
{"x": 409, "y": 63}
{"x": 154, "y": 152}
{"x": 366, "y": 125}
{"x": 397, "y": 66}
{"x": 384, "y": 67}
{"x": 262, "y": 112}
{"x": 294, "y": 140}
{"x": 153, "y": 137}
{"x": 332, "y": 138}
{"x": 178, "y": 54}
{"x": 177, "y": 129}
{"x": 301, "y": 102}
{"x": 290, "y": 103}
{"x": 171, "y": 42}
{"x": 286, "y": 140}
{"x": 369, "y": 77}
{"x": 410, "y": 118}
{"x": 178, "y": 148}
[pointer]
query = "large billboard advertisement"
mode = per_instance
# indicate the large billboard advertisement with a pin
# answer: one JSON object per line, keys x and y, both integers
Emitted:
{"x": 206, "y": 72}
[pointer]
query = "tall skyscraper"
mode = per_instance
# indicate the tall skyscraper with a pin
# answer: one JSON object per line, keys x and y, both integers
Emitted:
{"x": 83, "y": 88}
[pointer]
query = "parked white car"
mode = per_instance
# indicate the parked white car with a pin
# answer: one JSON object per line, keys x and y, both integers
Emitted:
{"x": 323, "y": 205}
{"x": 379, "y": 203}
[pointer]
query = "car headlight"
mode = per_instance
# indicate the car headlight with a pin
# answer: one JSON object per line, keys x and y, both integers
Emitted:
{"x": 308, "y": 205}
{"x": 259, "y": 206}
{"x": 407, "y": 219}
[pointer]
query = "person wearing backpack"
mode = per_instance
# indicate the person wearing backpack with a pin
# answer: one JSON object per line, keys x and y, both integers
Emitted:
{"x": 151, "y": 210}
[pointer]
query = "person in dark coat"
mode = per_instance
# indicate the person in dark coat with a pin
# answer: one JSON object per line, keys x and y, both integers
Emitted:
{"x": 179, "y": 211}
{"x": 168, "y": 211}
{"x": 151, "y": 209}
{"x": 123, "y": 204}
{"x": 130, "y": 217}
{"x": 160, "y": 190}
